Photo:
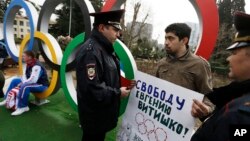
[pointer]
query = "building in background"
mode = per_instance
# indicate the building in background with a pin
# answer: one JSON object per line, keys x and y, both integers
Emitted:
{"x": 21, "y": 26}
{"x": 146, "y": 31}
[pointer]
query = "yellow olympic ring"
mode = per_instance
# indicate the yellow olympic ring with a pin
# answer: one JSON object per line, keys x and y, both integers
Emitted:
{"x": 44, "y": 38}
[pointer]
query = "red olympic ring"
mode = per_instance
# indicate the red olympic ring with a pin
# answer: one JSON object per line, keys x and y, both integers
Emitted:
{"x": 209, "y": 23}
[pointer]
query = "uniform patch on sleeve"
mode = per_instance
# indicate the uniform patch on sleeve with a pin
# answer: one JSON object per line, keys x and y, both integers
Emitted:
{"x": 91, "y": 71}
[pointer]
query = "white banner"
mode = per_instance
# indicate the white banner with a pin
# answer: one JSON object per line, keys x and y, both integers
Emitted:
{"x": 158, "y": 110}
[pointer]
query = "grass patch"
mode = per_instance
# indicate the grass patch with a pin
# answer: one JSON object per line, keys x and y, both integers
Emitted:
{"x": 54, "y": 121}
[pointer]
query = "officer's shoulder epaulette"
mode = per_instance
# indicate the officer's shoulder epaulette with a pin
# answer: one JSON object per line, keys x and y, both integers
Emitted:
{"x": 90, "y": 46}
{"x": 245, "y": 107}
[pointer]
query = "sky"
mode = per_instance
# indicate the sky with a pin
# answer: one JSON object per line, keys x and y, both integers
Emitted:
{"x": 174, "y": 10}
{"x": 162, "y": 14}
{"x": 247, "y": 7}
{"x": 182, "y": 9}
{"x": 165, "y": 12}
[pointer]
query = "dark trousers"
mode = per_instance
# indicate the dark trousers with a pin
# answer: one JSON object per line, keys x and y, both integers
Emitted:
{"x": 93, "y": 136}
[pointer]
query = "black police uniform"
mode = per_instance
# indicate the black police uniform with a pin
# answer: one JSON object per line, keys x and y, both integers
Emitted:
{"x": 98, "y": 85}
{"x": 232, "y": 108}
{"x": 232, "y": 101}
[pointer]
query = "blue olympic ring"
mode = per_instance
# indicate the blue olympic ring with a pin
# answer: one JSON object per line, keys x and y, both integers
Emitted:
{"x": 9, "y": 17}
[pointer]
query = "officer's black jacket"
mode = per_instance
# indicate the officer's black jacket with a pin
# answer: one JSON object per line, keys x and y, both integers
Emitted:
{"x": 98, "y": 84}
{"x": 233, "y": 108}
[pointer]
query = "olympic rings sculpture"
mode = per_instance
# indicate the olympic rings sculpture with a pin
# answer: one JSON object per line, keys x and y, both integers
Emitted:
{"x": 63, "y": 63}
{"x": 39, "y": 30}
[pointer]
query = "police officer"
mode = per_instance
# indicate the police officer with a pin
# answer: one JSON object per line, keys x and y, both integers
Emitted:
{"x": 232, "y": 101}
{"x": 98, "y": 78}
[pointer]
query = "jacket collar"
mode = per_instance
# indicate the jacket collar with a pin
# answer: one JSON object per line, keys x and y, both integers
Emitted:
{"x": 31, "y": 63}
{"x": 102, "y": 40}
{"x": 183, "y": 57}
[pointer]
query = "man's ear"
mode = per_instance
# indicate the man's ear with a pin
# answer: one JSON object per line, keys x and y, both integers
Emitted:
{"x": 101, "y": 27}
{"x": 185, "y": 40}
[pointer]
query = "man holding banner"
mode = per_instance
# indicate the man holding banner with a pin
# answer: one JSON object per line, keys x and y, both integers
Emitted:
{"x": 232, "y": 102}
{"x": 181, "y": 66}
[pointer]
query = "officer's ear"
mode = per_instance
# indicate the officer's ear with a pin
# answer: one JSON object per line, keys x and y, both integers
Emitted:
{"x": 101, "y": 27}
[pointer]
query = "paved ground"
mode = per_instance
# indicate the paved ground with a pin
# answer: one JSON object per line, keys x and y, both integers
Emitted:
{"x": 8, "y": 73}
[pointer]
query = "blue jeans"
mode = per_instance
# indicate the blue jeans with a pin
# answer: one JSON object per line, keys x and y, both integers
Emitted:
{"x": 25, "y": 90}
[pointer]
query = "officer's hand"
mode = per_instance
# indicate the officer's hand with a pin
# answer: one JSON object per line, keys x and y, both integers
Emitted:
{"x": 199, "y": 109}
{"x": 124, "y": 91}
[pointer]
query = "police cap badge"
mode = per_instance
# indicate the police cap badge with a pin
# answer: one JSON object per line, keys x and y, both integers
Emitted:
{"x": 108, "y": 17}
{"x": 242, "y": 37}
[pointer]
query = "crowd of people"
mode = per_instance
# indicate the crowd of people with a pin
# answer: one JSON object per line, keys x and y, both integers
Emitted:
{"x": 99, "y": 89}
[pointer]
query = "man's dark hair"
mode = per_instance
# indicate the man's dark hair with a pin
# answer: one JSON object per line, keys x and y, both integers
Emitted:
{"x": 181, "y": 30}
{"x": 30, "y": 53}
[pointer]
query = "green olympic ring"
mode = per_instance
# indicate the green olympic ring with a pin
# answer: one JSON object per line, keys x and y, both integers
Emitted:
{"x": 67, "y": 79}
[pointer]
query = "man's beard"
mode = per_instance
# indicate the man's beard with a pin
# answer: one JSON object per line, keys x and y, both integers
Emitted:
{"x": 170, "y": 52}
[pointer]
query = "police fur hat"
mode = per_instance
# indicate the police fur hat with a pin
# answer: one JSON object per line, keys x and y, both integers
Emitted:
{"x": 109, "y": 17}
{"x": 242, "y": 25}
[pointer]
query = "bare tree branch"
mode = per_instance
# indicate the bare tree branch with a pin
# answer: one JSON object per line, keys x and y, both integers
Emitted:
{"x": 142, "y": 25}
{"x": 129, "y": 33}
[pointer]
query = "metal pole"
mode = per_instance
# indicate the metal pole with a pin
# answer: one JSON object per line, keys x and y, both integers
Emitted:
{"x": 70, "y": 17}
